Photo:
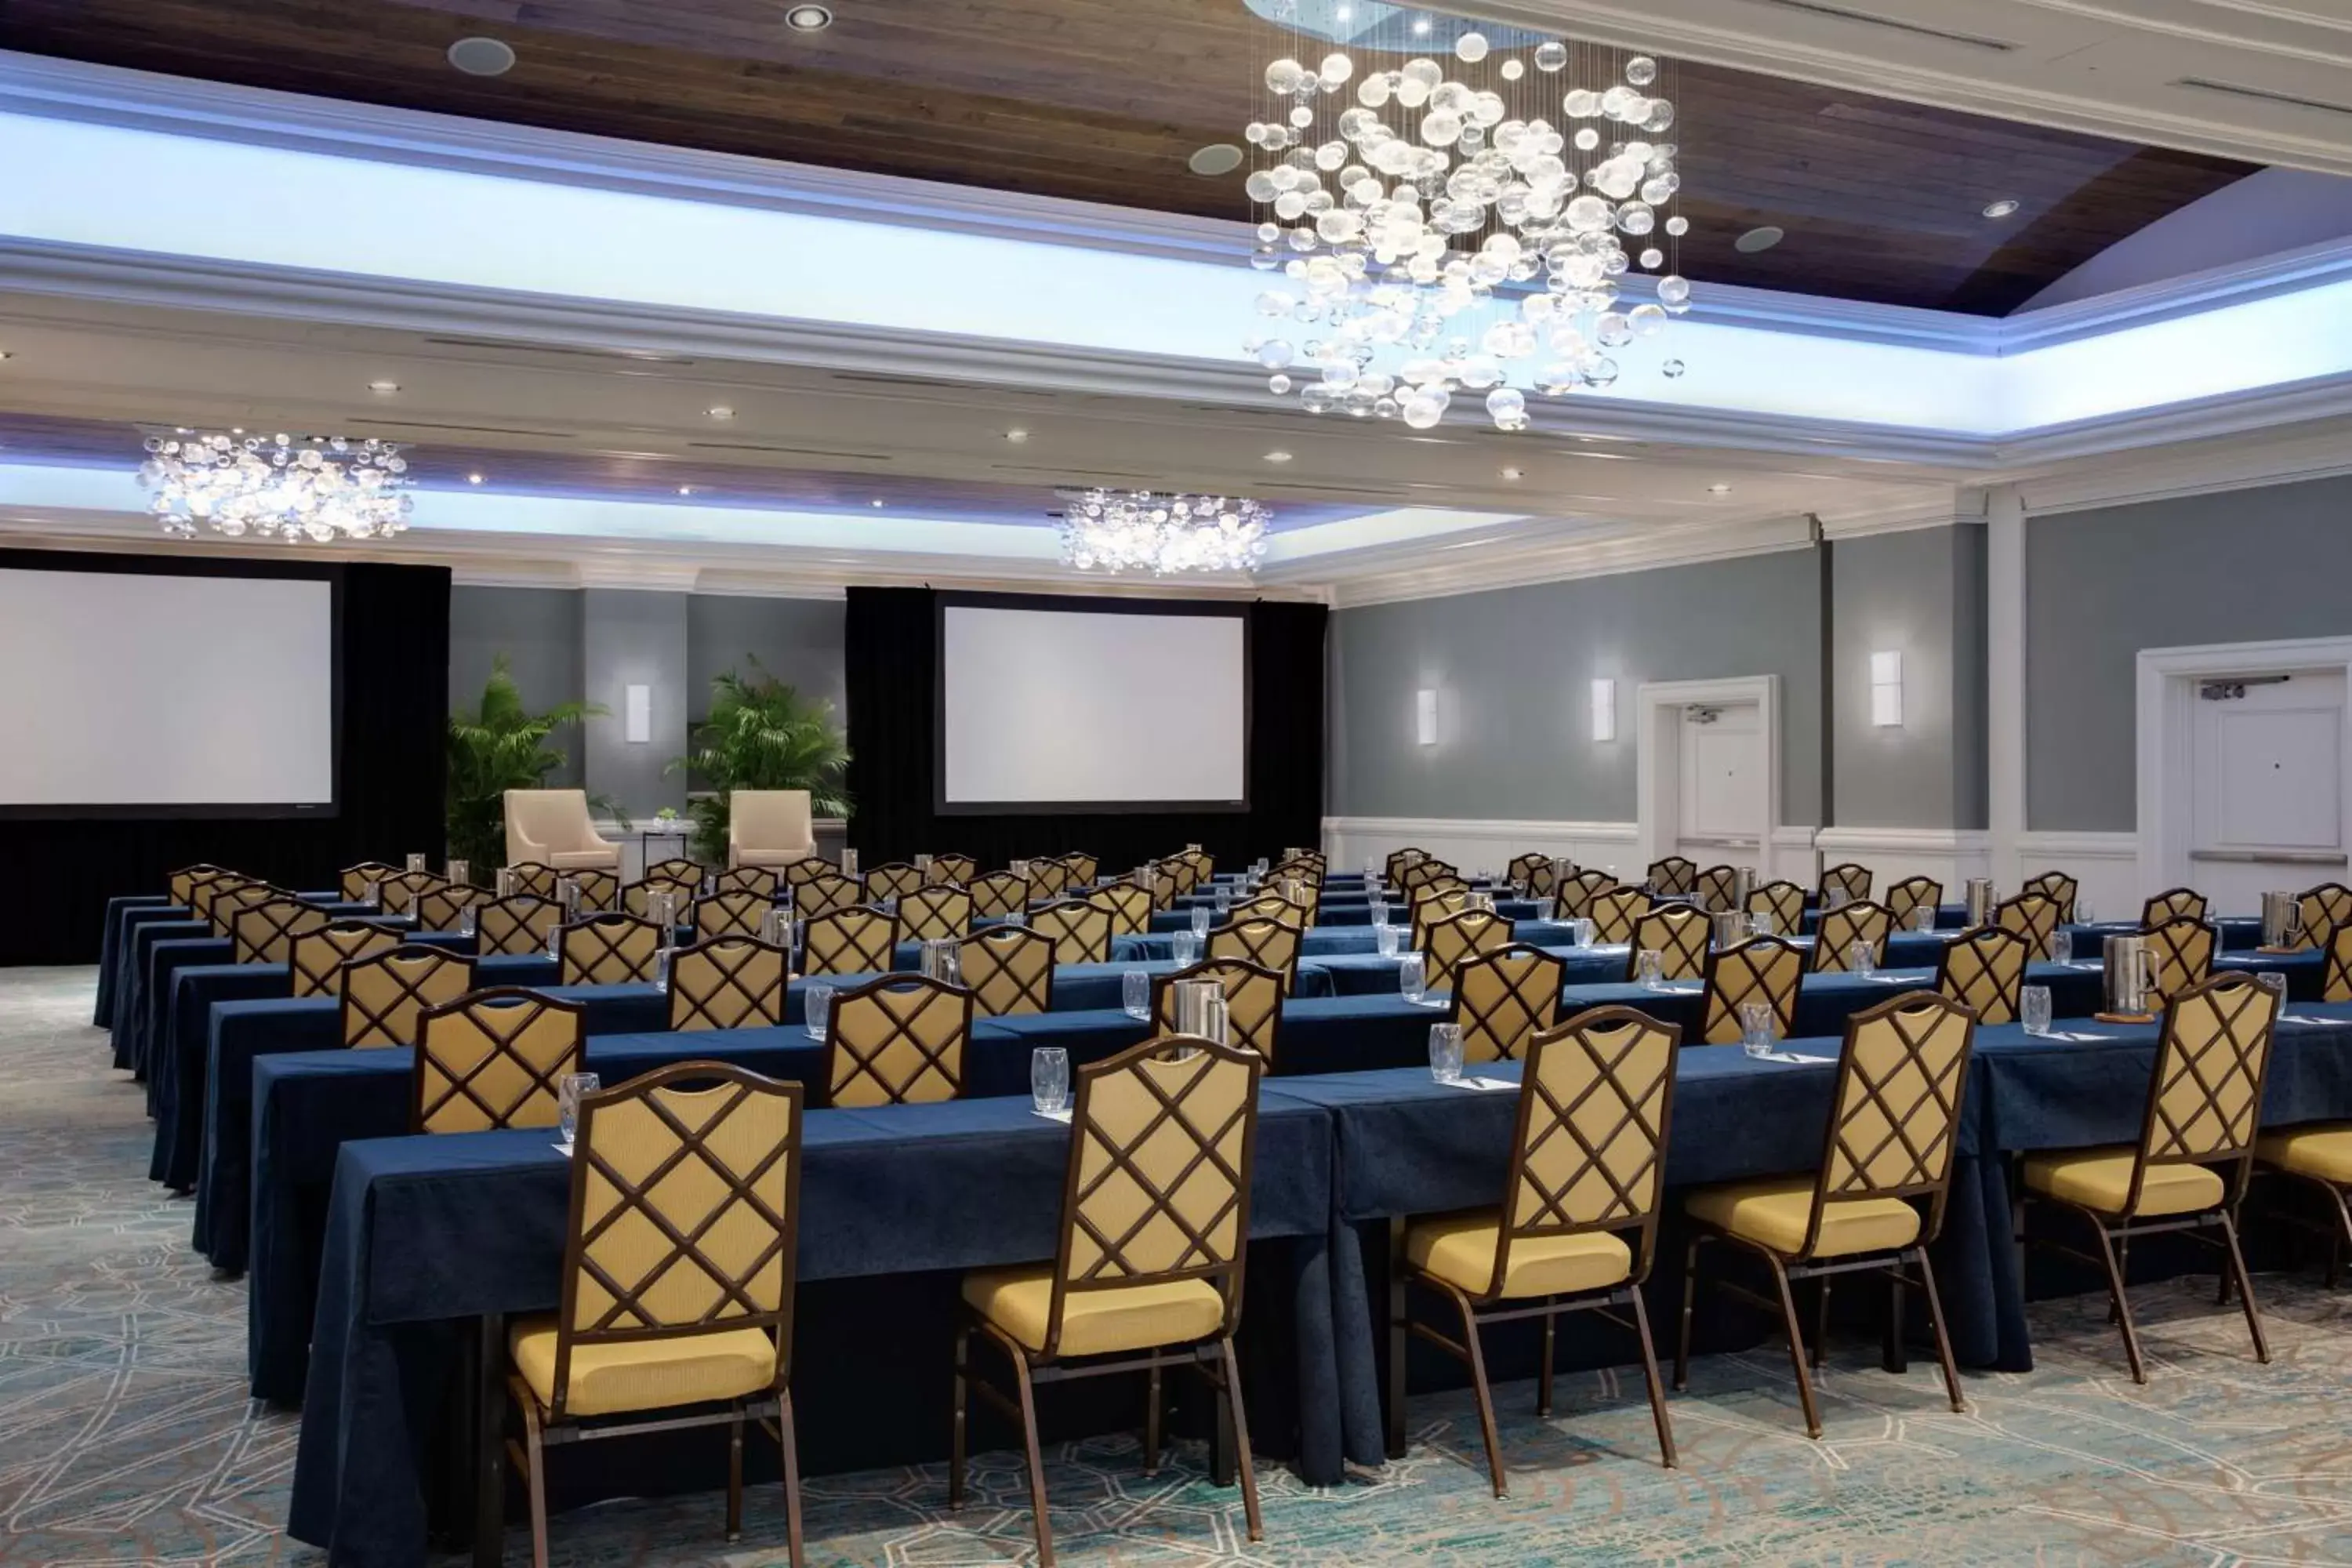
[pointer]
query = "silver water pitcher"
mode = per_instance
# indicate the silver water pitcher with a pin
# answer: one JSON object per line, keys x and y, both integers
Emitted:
{"x": 661, "y": 908}
{"x": 775, "y": 927}
{"x": 416, "y": 862}
{"x": 1730, "y": 926}
{"x": 567, "y": 893}
{"x": 461, "y": 872}
{"x": 2281, "y": 919}
{"x": 1195, "y": 1001}
{"x": 2130, "y": 975}
{"x": 941, "y": 960}
{"x": 1981, "y": 901}
{"x": 506, "y": 881}
{"x": 1743, "y": 882}
{"x": 849, "y": 862}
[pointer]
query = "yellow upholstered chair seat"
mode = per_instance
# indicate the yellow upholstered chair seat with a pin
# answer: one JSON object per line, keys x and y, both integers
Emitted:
{"x": 1459, "y": 1249}
{"x": 2322, "y": 1151}
{"x": 1775, "y": 1215}
{"x": 1096, "y": 1322}
{"x": 2100, "y": 1179}
{"x": 608, "y": 1379}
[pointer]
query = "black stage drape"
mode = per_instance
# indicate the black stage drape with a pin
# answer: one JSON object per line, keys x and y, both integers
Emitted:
{"x": 394, "y": 641}
{"x": 892, "y": 656}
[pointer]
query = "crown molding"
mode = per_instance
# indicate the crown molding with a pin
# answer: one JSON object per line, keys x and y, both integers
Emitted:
{"x": 2203, "y": 469}
{"x": 1629, "y": 550}
{"x": 1953, "y": 509}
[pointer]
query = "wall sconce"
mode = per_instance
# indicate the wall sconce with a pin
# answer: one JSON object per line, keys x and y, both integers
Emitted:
{"x": 637, "y": 714}
{"x": 1424, "y": 716}
{"x": 1604, "y": 710}
{"x": 1886, "y": 689}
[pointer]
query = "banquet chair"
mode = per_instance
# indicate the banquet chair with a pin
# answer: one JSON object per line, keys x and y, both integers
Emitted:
{"x": 1574, "y": 900}
{"x": 1841, "y": 928}
{"x": 535, "y": 880}
{"x": 1147, "y": 1273}
{"x": 2184, "y": 951}
{"x": 892, "y": 879}
{"x": 2336, "y": 975}
{"x": 399, "y": 893}
{"x": 1503, "y": 998}
{"x": 521, "y": 923}
{"x": 597, "y": 889}
{"x": 265, "y": 932}
{"x": 1129, "y": 906}
{"x": 495, "y": 1059}
{"x": 727, "y": 983}
{"x": 1161, "y": 882}
{"x": 1524, "y": 869}
{"x": 182, "y": 882}
{"x": 443, "y": 908}
{"x": 2316, "y": 1154}
{"x": 552, "y": 827}
{"x": 353, "y": 880}
{"x": 1984, "y": 971}
{"x": 2034, "y": 916}
{"x": 1081, "y": 931}
{"x": 1678, "y": 934}
{"x": 1894, "y": 1125}
{"x": 1267, "y": 944}
{"x": 2319, "y": 910}
{"x": 2058, "y": 888}
{"x": 728, "y": 914}
{"x": 608, "y": 949}
{"x": 1447, "y": 943}
{"x": 1196, "y": 870}
{"x": 1009, "y": 970}
{"x": 1083, "y": 868}
{"x": 2171, "y": 904}
{"x": 678, "y": 869}
{"x": 1420, "y": 873}
{"x": 384, "y": 994}
{"x": 636, "y": 897}
{"x": 806, "y": 868}
{"x": 1049, "y": 880}
{"x": 1306, "y": 897}
{"x": 1310, "y": 869}
{"x": 315, "y": 959}
{"x": 951, "y": 867}
{"x": 1717, "y": 889}
{"x": 1393, "y": 868}
{"x": 1587, "y": 1163}
{"x": 1848, "y": 880}
{"x": 1784, "y": 902}
{"x": 823, "y": 894}
{"x": 856, "y": 941}
{"x": 770, "y": 828}
{"x": 1613, "y": 913}
{"x": 1253, "y": 1002}
{"x": 999, "y": 893}
{"x": 1671, "y": 876}
{"x": 1912, "y": 894}
{"x": 939, "y": 912}
{"x": 1433, "y": 907}
{"x": 764, "y": 880}
{"x": 1767, "y": 968}
{"x": 898, "y": 1040}
{"x": 227, "y": 904}
{"x": 2204, "y": 1101}
{"x": 654, "y": 1316}
{"x": 203, "y": 891}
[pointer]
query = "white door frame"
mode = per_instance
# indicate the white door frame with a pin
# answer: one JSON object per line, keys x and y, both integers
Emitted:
{"x": 2166, "y": 698}
{"x": 1657, "y": 758}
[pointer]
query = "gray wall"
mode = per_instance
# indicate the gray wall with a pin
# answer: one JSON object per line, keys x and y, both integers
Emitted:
{"x": 1920, "y": 593}
{"x": 538, "y": 630}
{"x": 1513, "y": 668}
{"x": 2241, "y": 566}
{"x": 632, "y": 638}
{"x": 796, "y": 640}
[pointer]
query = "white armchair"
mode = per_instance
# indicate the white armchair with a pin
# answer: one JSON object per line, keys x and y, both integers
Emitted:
{"x": 768, "y": 827}
{"x": 552, "y": 827}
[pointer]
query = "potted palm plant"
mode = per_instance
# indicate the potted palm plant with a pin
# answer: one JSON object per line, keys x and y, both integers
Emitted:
{"x": 497, "y": 747}
{"x": 760, "y": 734}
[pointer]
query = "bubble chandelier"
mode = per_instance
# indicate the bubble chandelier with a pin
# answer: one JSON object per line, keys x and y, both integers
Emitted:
{"x": 1491, "y": 198}
{"x": 294, "y": 487}
{"x": 1140, "y": 531}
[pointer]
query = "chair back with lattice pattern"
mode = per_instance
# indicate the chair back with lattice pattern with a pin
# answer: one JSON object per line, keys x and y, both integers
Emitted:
{"x": 1574, "y": 899}
{"x": 608, "y": 948}
{"x": 728, "y": 914}
{"x": 315, "y": 959}
{"x": 898, "y": 1040}
{"x": 495, "y": 1059}
{"x": 1080, "y": 931}
{"x": 1783, "y": 902}
{"x": 1525, "y": 871}
{"x": 999, "y": 893}
{"x": 1861, "y": 923}
{"x": 443, "y": 908}
{"x": 807, "y": 868}
{"x": 1447, "y": 944}
{"x": 2171, "y": 904}
{"x": 1589, "y": 1151}
{"x": 1847, "y": 881}
{"x": 1767, "y": 969}
{"x": 205, "y": 891}
{"x": 599, "y": 889}
{"x": 823, "y": 894}
{"x": 535, "y": 880}
{"x": 2320, "y": 911}
{"x": 1503, "y": 998}
{"x": 727, "y": 983}
{"x": 1129, "y": 906}
{"x": 764, "y": 880}
{"x": 677, "y": 869}
{"x": 1717, "y": 888}
{"x": 1614, "y": 913}
{"x": 854, "y": 941}
{"x": 385, "y": 993}
{"x": 941, "y": 912}
{"x": 1269, "y": 907}
{"x": 1984, "y": 971}
{"x": 1158, "y": 1185}
{"x": 1673, "y": 876}
{"x": 1009, "y": 970}
{"x": 891, "y": 879}
{"x": 2336, "y": 971}
{"x": 1678, "y": 934}
{"x": 517, "y": 924}
{"x": 1429, "y": 907}
{"x": 401, "y": 891}
{"x": 182, "y": 884}
{"x": 2182, "y": 949}
{"x": 1909, "y": 895}
{"x": 1195, "y": 870}
{"x": 1420, "y": 873}
{"x": 1270, "y": 944}
{"x": 1048, "y": 879}
{"x": 1253, "y": 1002}
{"x": 227, "y": 903}
{"x": 1399, "y": 861}
{"x": 1895, "y": 1118}
{"x": 953, "y": 868}
{"x": 2213, "y": 1058}
{"x": 1083, "y": 867}
{"x": 684, "y": 1217}
{"x": 265, "y": 932}
{"x": 2058, "y": 888}
{"x": 638, "y": 897}
{"x": 2034, "y": 916}
{"x": 353, "y": 880}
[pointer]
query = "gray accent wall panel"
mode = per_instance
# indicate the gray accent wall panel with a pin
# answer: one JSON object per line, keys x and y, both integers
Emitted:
{"x": 2250, "y": 565}
{"x": 538, "y": 630}
{"x": 1920, "y": 593}
{"x": 1513, "y": 666}
{"x": 636, "y": 638}
{"x": 796, "y": 640}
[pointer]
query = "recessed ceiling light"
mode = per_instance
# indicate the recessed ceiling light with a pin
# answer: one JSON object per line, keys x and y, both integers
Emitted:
{"x": 877, "y": 501}
{"x": 384, "y": 387}
{"x": 1277, "y": 457}
{"x": 7, "y": 353}
{"x": 1420, "y": 27}
{"x": 1718, "y": 489}
{"x": 720, "y": 411}
{"x": 1016, "y": 437}
{"x": 473, "y": 478}
{"x": 1344, "y": 13}
{"x": 1763, "y": 237}
{"x": 686, "y": 489}
{"x": 2001, "y": 208}
{"x": 808, "y": 18}
{"x": 1512, "y": 474}
{"x": 482, "y": 57}
{"x": 1216, "y": 158}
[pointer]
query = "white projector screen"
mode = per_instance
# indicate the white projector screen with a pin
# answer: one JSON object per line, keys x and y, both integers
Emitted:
{"x": 166, "y": 692}
{"x": 1045, "y": 709}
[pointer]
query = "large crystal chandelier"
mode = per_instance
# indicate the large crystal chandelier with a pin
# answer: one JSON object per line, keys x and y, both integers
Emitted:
{"x": 1460, "y": 201}
{"x": 294, "y": 487}
{"x": 1139, "y": 530}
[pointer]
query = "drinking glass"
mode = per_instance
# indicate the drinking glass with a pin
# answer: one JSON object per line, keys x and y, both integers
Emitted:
{"x": 1756, "y": 1027}
{"x": 2062, "y": 946}
{"x": 461, "y": 872}
{"x": 416, "y": 862}
{"x": 1384, "y": 940}
{"x": 1200, "y": 922}
{"x": 817, "y": 1008}
{"x": 1649, "y": 969}
{"x": 1135, "y": 994}
{"x": 2083, "y": 915}
{"x": 1411, "y": 984}
{"x": 1858, "y": 959}
{"x": 1445, "y": 1052}
{"x": 2033, "y": 1009}
{"x": 1221, "y": 897}
{"x": 1482, "y": 902}
{"x": 466, "y": 920}
{"x": 1760, "y": 922}
{"x": 1923, "y": 917}
{"x": 1049, "y": 1080}
{"x": 1585, "y": 931}
{"x": 1186, "y": 948}
{"x": 1379, "y": 910}
{"x": 568, "y": 1095}
{"x": 555, "y": 942}
{"x": 2275, "y": 981}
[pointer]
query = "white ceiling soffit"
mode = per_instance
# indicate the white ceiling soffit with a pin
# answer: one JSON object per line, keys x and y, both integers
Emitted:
{"x": 2266, "y": 80}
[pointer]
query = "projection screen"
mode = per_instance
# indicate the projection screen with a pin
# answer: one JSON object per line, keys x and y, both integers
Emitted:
{"x": 162, "y": 694}
{"x": 1087, "y": 708}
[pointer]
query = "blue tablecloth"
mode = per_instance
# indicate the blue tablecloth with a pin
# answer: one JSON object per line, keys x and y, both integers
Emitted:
{"x": 1825, "y": 1001}
{"x": 1319, "y": 942}
{"x": 427, "y": 1232}
{"x": 109, "y": 949}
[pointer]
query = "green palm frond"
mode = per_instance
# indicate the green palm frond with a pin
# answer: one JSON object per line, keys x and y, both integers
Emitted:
{"x": 498, "y": 746}
{"x": 763, "y": 735}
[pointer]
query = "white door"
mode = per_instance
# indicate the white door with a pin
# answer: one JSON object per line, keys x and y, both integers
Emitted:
{"x": 1723, "y": 791}
{"x": 2267, "y": 797}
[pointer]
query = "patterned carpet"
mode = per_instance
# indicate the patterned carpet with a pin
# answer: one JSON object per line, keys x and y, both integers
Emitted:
{"x": 125, "y": 1437}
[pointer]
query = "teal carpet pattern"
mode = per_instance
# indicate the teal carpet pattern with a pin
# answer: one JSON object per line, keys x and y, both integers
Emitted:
{"x": 125, "y": 1436}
